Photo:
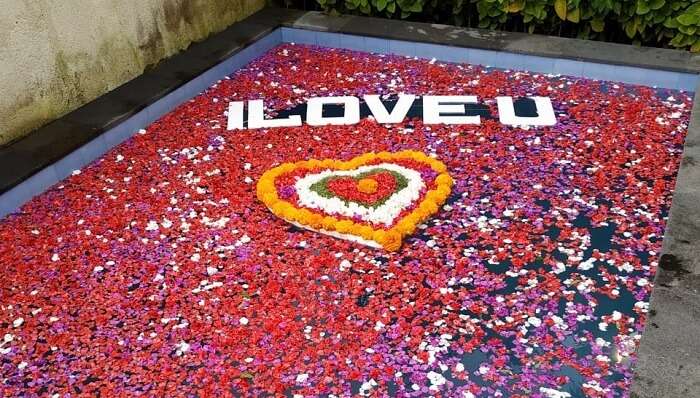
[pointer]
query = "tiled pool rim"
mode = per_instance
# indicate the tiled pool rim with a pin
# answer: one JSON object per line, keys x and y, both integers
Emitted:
{"x": 30, "y": 166}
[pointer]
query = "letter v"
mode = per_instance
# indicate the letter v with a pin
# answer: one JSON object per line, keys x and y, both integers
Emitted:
{"x": 381, "y": 115}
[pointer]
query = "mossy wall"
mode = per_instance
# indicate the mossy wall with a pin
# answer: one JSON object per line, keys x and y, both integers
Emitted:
{"x": 58, "y": 55}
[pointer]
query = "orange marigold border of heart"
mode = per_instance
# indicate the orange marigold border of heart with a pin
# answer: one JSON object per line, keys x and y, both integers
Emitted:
{"x": 389, "y": 239}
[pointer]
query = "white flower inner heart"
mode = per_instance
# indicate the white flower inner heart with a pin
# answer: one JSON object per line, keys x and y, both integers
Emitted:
{"x": 383, "y": 214}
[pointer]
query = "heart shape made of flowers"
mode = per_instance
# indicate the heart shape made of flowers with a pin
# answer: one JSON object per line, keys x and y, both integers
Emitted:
{"x": 375, "y": 199}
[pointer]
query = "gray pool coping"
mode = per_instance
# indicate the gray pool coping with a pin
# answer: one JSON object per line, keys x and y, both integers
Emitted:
{"x": 512, "y": 42}
{"x": 669, "y": 353}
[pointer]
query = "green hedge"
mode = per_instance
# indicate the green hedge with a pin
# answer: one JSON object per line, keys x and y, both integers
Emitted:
{"x": 662, "y": 23}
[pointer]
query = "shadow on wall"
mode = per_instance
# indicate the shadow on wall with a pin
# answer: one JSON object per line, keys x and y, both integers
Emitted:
{"x": 56, "y": 56}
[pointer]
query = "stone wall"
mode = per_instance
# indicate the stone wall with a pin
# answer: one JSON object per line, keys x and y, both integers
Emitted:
{"x": 58, "y": 55}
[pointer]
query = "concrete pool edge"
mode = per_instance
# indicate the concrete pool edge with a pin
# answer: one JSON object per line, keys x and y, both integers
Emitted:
{"x": 669, "y": 364}
{"x": 495, "y": 58}
{"x": 509, "y": 42}
{"x": 669, "y": 356}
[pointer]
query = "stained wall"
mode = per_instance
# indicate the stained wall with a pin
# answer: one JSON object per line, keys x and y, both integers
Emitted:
{"x": 58, "y": 55}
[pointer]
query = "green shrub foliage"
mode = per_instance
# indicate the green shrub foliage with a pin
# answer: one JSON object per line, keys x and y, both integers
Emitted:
{"x": 663, "y": 23}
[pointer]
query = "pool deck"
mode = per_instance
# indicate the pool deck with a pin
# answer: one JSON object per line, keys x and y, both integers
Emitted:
{"x": 669, "y": 354}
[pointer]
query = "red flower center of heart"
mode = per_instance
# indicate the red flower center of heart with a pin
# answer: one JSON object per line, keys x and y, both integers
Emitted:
{"x": 357, "y": 189}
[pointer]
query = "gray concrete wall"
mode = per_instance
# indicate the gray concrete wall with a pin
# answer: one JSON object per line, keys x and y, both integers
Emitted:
{"x": 58, "y": 55}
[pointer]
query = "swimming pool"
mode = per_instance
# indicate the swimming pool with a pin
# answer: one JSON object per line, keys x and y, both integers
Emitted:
{"x": 158, "y": 270}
